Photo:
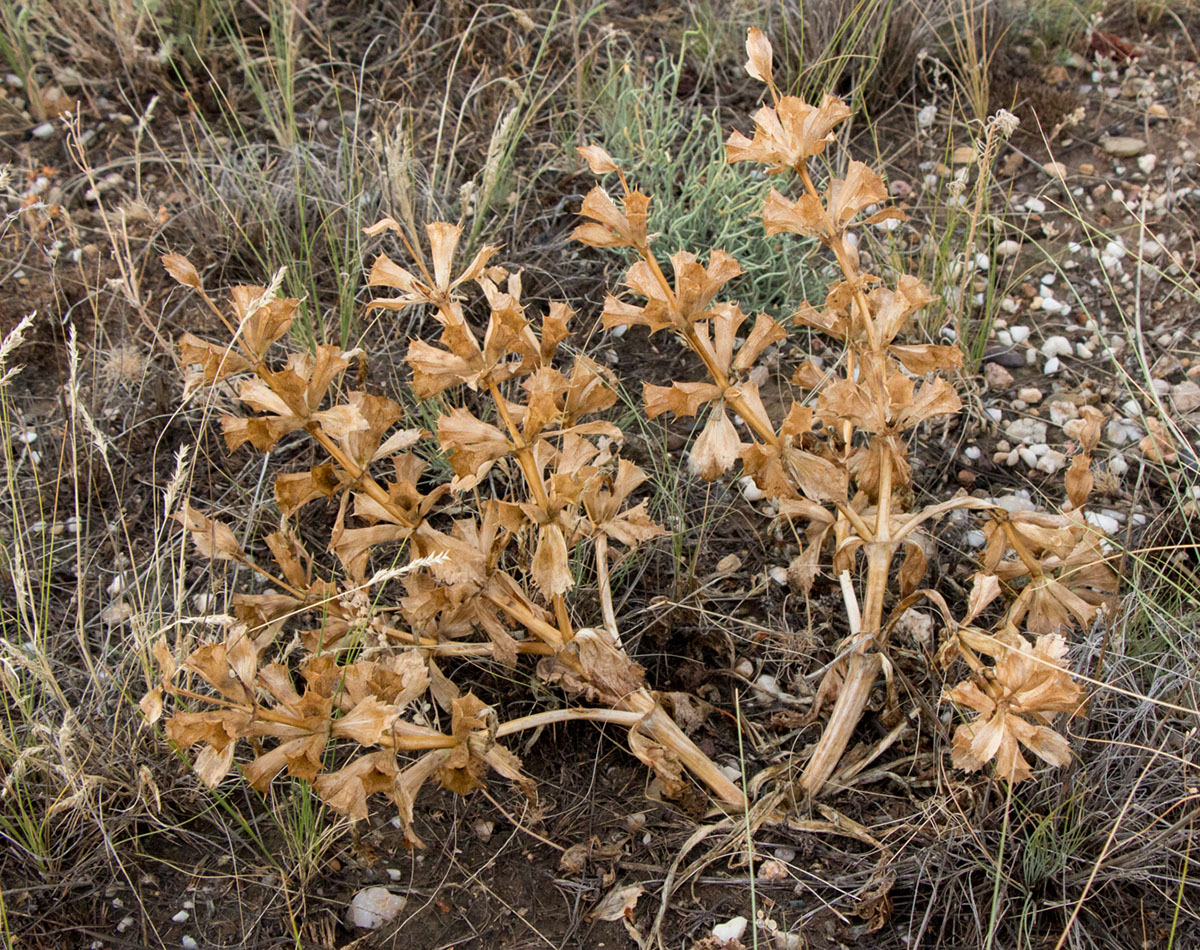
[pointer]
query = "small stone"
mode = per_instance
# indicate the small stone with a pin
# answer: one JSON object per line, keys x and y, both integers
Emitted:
{"x": 1019, "y": 334}
{"x": 779, "y": 575}
{"x": 1117, "y": 465}
{"x": 1026, "y": 430}
{"x": 1106, "y": 523}
{"x": 1122, "y": 146}
{"x": 1087, "y": 168}
{"x": 1186, "y": 396}
{"x": 1147, "y": 162}
{"x": 188, "y": 943}
{"x": 976, "y": 538}
{"x": 1055, "y": 170}
{"x": 1051, "y": 462}
{"x": 1007, "y": 249}
{"x": 372, "y": 907}
{"x": 750, "y": 491}
{"x": 1056, "y": 346}
{"x": 181, "y": 917}
{"x": 1030, "y": 395}
{"x": 1083, "y": 351}
{"x": 997, "y": 376}
{"x": 1027, "y": 456}
{"x": 744, "y": 668}
{"x": 1035, "y": 205}
{"x": 43, "y": 131}
{"x": 972, "y": 453}
{"x": 1052, "y": 366}
{"x": 1062, "y": 412}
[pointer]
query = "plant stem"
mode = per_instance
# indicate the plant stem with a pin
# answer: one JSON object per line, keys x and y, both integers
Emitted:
{"x": 602, "y": 582}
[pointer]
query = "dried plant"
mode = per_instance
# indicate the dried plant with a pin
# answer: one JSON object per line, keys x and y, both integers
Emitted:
{"x": 845, "y": 444}
{"x": 485, "y": 576}
{"x": 337, "y": 678}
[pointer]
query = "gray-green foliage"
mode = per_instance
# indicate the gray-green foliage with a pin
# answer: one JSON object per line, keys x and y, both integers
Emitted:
{"x": 675, "y": 152}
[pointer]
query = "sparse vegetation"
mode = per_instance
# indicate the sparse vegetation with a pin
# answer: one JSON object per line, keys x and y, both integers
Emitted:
{"x": 350, "y": 568}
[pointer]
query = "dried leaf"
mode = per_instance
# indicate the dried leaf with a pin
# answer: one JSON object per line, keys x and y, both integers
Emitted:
{"x": 599, "y": 161}
{"x": 758, "y": 52}
{"x": 212, "y": 539}
{"x": 182, "y": 270}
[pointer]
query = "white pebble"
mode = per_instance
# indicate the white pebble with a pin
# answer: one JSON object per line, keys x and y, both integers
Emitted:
{"x": 1056, "y": 346}
{"x": 732, "y": 930}
{"x": 1035, "y": 205}
{"x": 1106, "y": 523}
{"x": 1019, "y": 334}
{"x": 1051, "y": 462}
{"x": 1026, "y": 455}
{"x": 976, "y": 538}
{"x": 1052, "y": 366}
{"x": 188, "y": 943}
{"x": 43, "y": 131}
{"x": 972, "y": 452}
{"x": 779, "y": 575}
{"x": 750, "y": 491}
{"x": 1147, "y": 162}
{"x": 1007, "y": 248}
{"x": 993, "y": 413}
{"x": 181, "y": 917}
{"x": 372, "y": 907}
{"x": 1117, "y": 465}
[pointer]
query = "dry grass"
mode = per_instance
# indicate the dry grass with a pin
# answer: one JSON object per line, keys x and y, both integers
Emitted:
{"x": 277, "y": 132}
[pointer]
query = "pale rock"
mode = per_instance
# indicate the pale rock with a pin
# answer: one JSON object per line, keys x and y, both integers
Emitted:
{"x": 1056, "y": 346}
{"x": 1117, "y": 465}
{"x": 1083, "y": 351}
{"x": 1026, "y": 430}
{"x": 779, "y": 575}
{"x": 1027, "y": 456}
{"x": 916, "y": 624}
{"x": 976, "y": 538}
{"x": 1051, "y": 462}
{"x": 1009, "y": 305}
{"x": 1030, "y": 395}
{"x": 1004, "y": 338}
{"x": 1106, "y": 523}
{"x": 1061, "y": 412}
{"x": 732, "y": 930}
{"x": 1055, "y": 170}
{"x": 1147, "y": 162}
{"x": 1052, "y": 366}
{"x": 972, "y": 453}
{"x": 993, "y": 413}
{"x": 750, "y": 491}
{"x": 373, "y": 907}
{"x": 1007, "y": 249}
{"x": 1122, "y": 146}
{"x": 188, "y": 943}
{"x": 43, "y": 131}
{"x": 1186, "y": 396}
{"x": 1031, "y": 356}
{"x": 1161, "y": 386}
{"x": 1039, "y": 449}
{"x": 1019, "y": 334}
{"x": 997, "y": 376}
{"x": 1035, "y": 205}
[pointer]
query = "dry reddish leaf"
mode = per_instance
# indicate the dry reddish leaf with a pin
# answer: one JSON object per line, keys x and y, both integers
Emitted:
{"x": 1029, "y": 686}
{"x": 182, "y": 270}
{"x": 758, "y": 52}
{"x": 212, "y": 539}
{"x": 599, "y": 161}
{"x": 786, "y": 137}
{"x": 216, "y": 363}
{"x": 716, "y": 448}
